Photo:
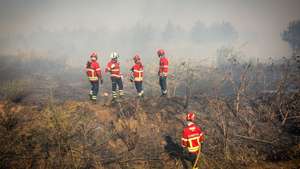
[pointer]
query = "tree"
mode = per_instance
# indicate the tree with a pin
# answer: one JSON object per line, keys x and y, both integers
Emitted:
{"x": 292, "y": 35}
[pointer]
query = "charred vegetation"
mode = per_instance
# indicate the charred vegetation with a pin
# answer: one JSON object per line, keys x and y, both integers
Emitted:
{"x": 249, "y": 112}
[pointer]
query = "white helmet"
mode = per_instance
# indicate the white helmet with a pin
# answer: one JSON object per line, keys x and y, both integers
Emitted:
{"x": 114, "y": 55}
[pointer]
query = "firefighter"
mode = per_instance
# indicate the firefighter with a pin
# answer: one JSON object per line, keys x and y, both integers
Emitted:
{"x": 93, "y": 72}
{"x": 192, "y": 137}
{"x": 137, "y": 74}
{"x": 163, "y": 71}
{"x": 113, "y": 66}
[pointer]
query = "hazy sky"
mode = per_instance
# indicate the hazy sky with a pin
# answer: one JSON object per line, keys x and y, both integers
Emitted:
{"x": 198, "y": 27}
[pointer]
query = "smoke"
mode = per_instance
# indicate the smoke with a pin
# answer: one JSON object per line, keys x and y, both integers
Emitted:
{"x": 142, "y": 38}
{"x": 72, "y": 29}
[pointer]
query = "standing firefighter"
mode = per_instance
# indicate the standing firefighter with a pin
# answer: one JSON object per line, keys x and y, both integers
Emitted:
{"x": 163, "y": 71}
{"x": 192, "y": 137}
{"x": 137, "y": 74}
{"x": 93, "y": 72}
{"x": 113, "y": 66}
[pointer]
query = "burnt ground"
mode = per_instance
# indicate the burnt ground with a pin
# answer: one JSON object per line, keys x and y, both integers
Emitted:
{"x": 48, "y": 122}
{"x": 64, "y": 130}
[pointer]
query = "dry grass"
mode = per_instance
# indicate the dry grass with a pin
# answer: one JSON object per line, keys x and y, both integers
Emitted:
{"x": 246, "y": 127}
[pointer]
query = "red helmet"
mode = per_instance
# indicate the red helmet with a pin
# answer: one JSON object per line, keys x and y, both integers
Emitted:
{"x": 93, "y": 54}
{"x": 160, "y": 52}
{"x": 137, "y": 58}
{"x": 190, "y": 116}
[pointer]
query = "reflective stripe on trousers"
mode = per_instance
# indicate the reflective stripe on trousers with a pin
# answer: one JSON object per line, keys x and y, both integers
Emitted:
{"x": 114, "y": 94}
{"x": 117, "y": 84}
{"x": 94, "y": 89}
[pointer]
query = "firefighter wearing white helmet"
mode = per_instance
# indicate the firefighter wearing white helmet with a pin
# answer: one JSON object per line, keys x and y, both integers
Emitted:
{"x": 113, "y": 67}
{"x": 114, "y": 55}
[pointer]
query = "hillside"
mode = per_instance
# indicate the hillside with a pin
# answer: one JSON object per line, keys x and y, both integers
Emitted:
{"x": 249, "y": 113}
{"x": 139, "y": 134}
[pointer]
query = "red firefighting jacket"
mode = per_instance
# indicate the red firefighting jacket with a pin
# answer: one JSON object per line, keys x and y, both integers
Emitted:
{"x": 93, "y": 70}
{"x": 114, "y": 68}
{"x": 163, "y": 66}
{"x": 138, "y": 72}
{"x": 192, "y": 136}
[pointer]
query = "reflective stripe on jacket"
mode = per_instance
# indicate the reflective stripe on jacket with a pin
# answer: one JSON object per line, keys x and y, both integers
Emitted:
{"x": 114, "y": 68}
{"x": 93, "y": 71}
{"x": 163, "y": 66}
{"x": 138, "y": 72}
{"x": 192, "y": 136}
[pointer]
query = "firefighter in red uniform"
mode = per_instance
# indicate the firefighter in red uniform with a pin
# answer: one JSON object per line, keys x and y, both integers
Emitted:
{"x": 93, "y": 72}
{"x": 192, "y": 137}
{"x": 163, "y": 71}
{"x": 137, "y": 74}
{"x": 113, "y": 66}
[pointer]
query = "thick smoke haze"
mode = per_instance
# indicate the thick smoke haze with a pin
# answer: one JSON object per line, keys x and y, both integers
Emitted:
{"x": 193, "y": 28}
